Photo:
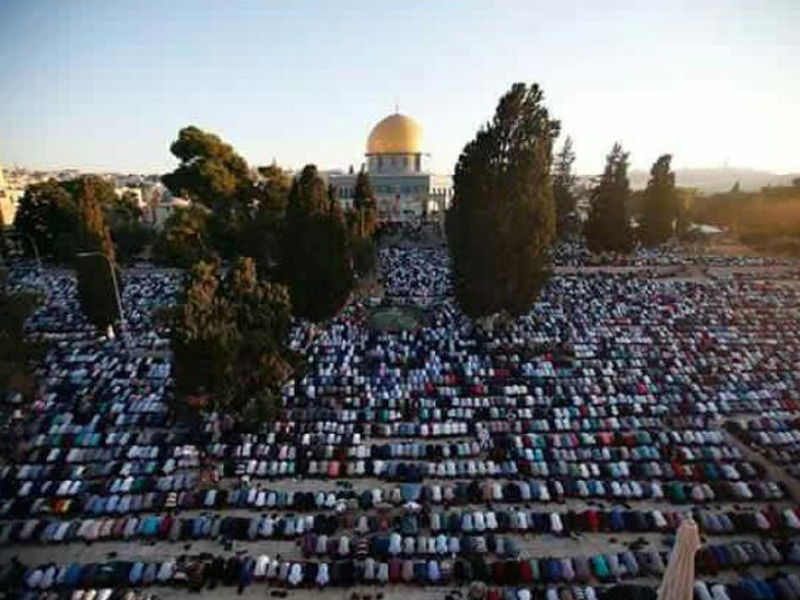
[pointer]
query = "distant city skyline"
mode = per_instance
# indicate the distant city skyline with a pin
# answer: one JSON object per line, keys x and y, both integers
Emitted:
{"x": 105, "y": 86}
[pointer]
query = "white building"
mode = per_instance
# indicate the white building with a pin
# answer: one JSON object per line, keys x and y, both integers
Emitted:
{"x": 405, "y": 190}
{"x": 9, "y": 200}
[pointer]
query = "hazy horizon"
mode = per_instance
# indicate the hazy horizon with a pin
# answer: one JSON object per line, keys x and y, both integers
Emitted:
{"x": 106, "y": 86}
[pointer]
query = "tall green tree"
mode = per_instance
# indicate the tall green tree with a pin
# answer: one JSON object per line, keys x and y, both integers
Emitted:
{"x": 316, "y": 258}
{"x": 608, "y": 228}
{"x": 128, "y": 230}
{"x": 211, "y": 173}
{"x": 502, "y": 217}
{"x": 365, "y": 205}
{"x": 48, "y": 214}
{"x": 262, "y": 362}
{"x": 564, "y": 181}
{"x": 18, "y": 359}
{"x": 264, "y": 231}
{"x": 101, "y": 190}
{"x": 17, "y": 352}
{"x": 183, "y": 240}
{"x": 95, "y": 259}
{"x": 273, "y": 187}
{"x": 660, "y": 204}
{"x": 124, "y": 209}
{"x": 203, "y": 337}
{"x": 92, "y": 233}
{"x": 229, "y": 342}
{"x": 97, "y": 291}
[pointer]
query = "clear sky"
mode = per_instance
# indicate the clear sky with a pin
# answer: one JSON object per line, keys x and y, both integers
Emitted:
{"x": 106, "y": 85}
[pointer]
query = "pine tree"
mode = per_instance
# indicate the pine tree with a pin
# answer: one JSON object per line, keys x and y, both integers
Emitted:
{"x": 660, "y": 203}
{"x": 502, "y": 218}
{"x": 609, "y": 228}
{"x": 564, "y": 190}
{"x": 316, "y": 258}
{"x": 212, "y": 173}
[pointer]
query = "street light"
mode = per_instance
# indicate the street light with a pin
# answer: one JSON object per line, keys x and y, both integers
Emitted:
{"x": 117, "y": 296}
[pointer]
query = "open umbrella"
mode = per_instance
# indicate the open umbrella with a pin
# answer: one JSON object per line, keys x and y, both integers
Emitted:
{"x": 678, "y": 582}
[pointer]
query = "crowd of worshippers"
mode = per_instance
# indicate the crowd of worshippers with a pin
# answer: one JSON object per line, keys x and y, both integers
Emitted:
{"x": 89, "y": 594}
{"x": 777, "y": 438}
{"x": 443, "y": 531}
{"x": 608, "y": 389}
{"x": 414, "y": 276}
{"x": 547, "y": 578}
{"x": 381, "y": 568}
{"x": 781, "y": 587}
{"x": 573, "y": 254}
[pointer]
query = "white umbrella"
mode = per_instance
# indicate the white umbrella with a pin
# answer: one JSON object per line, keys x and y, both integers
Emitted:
{"x": 678, "y": 582}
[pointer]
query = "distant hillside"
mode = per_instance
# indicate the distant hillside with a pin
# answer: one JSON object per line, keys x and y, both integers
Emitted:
{"x": 717, "y": 179}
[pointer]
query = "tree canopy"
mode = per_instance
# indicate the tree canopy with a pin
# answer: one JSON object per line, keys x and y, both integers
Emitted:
{"x": 96, "y": 273}
{"x": 564, "y": 181}
{"x": 17, "y": 352}
{"x": 210, "y": 171}
{"x": 229, "y": 341}
{"x": 316, "y": 256}
{"x": 767, "y": 219}
{"x": 48, "y": 213}
{"x": 101, "y": 190}
{"x": 212, "y": 174}
{"x": 660, "y": 204}
{"x": 184, "y": 237}
{"x": 608, "y": 228}
{"x": 68, "y": 216}
{"x": 365, "y": 206}
{"x": 96, "y": 289}
{"x": 92, "y": 233}
{"x": 502, "y": 217}
{"x": 263, "y": 233}
{"x": 128, "y": 231}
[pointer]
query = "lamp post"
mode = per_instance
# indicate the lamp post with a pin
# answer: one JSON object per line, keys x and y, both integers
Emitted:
{"x": 117, "y": 296}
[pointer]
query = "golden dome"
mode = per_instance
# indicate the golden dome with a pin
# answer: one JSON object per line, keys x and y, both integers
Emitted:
{"x": 396, "y": 134}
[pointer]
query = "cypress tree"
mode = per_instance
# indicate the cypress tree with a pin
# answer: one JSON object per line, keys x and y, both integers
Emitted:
{"x": 502, "y": 218}
{"x": 564, "y": 190}
{"x": 316, "y": 257}
{"x": 204, "y": 337}
{"x": 364, "y": 205}
{"x": 96, "y": 274}
{"x": 609, "y": 227}
{"x": 93, "y": 234}
{"x": 660, "y": 203}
